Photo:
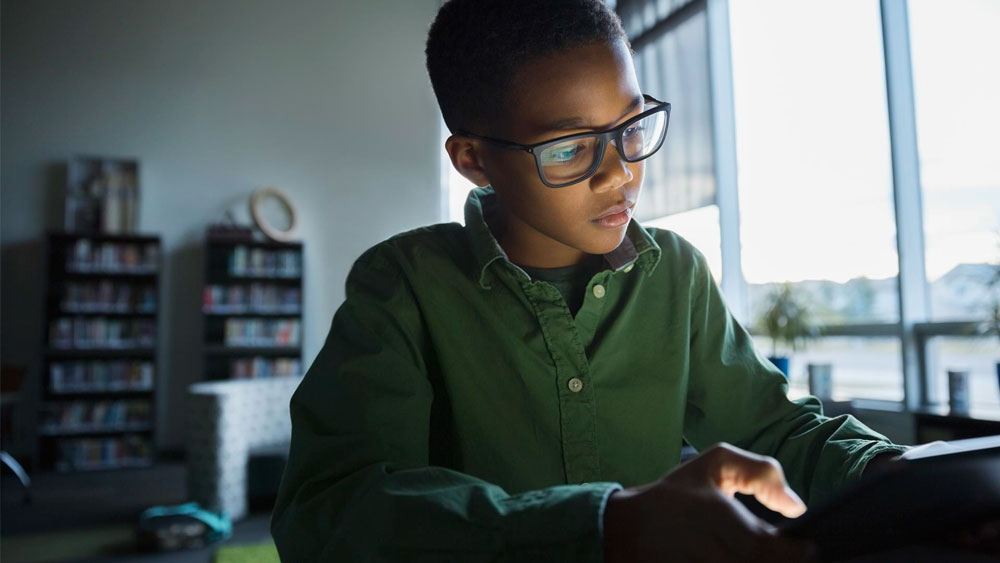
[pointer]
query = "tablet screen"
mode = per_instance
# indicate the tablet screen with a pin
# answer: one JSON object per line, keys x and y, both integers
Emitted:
{"x": 942, "y": 488}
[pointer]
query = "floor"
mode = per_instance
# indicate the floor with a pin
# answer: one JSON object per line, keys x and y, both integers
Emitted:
{"x": 91, "y": 517}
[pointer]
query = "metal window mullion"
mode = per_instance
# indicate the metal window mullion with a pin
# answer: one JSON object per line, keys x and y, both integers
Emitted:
{"x": 724, "y": 140}
{"x": 913, "y": 293}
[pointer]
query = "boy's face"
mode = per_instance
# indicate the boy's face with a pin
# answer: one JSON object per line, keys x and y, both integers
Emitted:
{"x": 587, "y": 88}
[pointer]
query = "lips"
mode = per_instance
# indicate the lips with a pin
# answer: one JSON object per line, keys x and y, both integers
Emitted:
{"x": 615, "y": 209}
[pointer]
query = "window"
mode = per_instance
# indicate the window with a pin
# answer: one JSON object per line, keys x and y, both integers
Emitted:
{"x": 953, "y": 46}
{"x": 670, "y": 40}
{"x": 977, "y": 356}
{"x": 814, "y": 174}
{"x": 953, "y": 51}
{"x": 862, "y": 367}
{"x": 700, "y": 227}
{"x": 458, "y": 188}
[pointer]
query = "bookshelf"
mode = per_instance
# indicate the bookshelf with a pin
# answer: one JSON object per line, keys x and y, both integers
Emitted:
{"x": 252, "y": 308}
{"x": 99, "y": 369}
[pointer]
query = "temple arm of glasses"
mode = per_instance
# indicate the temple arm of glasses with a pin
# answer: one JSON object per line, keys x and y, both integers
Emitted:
{"x": 497, "y": 142}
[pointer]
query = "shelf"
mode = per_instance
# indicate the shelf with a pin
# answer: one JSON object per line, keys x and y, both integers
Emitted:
{"x": 250, "y": 314}
{"x": 261, "y": 293}
{"x": 220, "y": 350}
{"x": 266, "y": 244}
{"x": 977, "y": 413}
{"x": 219, "y": 278}
{"x": 124, "y": 464}
{"x": 79, "y": 393}
{"x": 109, "y": 313}
{"x": 103, "y": 237}
{"x": 96, "y": 430}
{"x": 109, "y": 274}
{"x": 78, "y": 268}
{"x": 99, "y": 353}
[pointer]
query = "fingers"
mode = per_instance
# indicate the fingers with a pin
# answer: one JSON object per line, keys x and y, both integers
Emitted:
{"x": 737, "y": 471}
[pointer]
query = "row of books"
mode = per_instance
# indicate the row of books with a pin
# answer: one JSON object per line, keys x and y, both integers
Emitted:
{"x": 88, "y": 416}
{"x": 107, "y": 296}
{"x": 130, "y": 450}
{"x": 101, "y": 332}
{"x": 113, "y": 257}
{"x": 259, "y": 367}
{"x": 101, "y": 376}
{"x": 262, "y": 332}
{"x": 259, "y": 262}
{"x": 252, "y": 298}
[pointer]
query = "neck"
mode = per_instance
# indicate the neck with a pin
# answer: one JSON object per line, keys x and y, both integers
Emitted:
{"x": 525, "y": 246}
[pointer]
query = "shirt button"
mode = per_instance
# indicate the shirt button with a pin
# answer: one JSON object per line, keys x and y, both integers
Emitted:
{"x": 575, "y": 385}
{"x": 629, "y": 267}
{"x": 598, "y": 291}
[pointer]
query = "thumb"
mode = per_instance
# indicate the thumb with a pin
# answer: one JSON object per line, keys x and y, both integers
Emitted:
{"x": 739, "y": 471}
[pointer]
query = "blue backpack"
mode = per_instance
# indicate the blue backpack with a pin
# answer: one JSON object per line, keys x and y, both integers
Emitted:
{"x": 184, "y": 526}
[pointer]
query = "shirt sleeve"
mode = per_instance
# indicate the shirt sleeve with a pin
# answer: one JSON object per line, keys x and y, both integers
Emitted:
{"x": 737, "y": 396}
{"x": 358, "y": 484}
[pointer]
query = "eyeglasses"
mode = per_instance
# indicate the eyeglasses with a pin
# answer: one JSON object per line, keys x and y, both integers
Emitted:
{"x": 574, "y": 158}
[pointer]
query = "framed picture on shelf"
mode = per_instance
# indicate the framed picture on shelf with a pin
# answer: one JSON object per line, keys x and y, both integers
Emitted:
{"x": 102, "y": 195}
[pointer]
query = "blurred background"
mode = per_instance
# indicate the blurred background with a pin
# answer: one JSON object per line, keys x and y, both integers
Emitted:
{"x": 837, "y": 161}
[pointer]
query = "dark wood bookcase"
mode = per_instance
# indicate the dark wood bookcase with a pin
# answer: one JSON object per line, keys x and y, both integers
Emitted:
{"x": 99, "y": 364}
{"x": 252, "y": 308}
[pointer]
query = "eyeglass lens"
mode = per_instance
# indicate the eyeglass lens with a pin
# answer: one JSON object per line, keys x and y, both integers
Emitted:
{"x": 570, "y": 160}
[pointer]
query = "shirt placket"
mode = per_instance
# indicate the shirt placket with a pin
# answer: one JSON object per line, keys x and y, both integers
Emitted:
{"x": 566, "y": 339}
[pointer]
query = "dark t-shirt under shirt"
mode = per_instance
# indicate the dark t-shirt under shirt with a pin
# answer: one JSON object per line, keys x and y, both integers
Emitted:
{"x": 571, "y": 281}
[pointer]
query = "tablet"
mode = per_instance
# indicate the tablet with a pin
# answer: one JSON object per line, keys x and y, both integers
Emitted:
{"x": 944, "y": 487}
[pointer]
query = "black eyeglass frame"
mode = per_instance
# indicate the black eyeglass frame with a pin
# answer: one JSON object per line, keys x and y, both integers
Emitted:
{"x": 603, "y": 137}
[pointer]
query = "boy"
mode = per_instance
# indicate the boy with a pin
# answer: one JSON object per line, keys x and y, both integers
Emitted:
{"x": 519, "y": 388}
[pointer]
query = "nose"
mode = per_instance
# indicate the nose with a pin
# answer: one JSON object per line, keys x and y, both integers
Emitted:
{"x": 613, "y": 172}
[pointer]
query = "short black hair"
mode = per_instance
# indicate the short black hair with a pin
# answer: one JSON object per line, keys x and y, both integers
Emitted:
{"x": 475, "y": 48}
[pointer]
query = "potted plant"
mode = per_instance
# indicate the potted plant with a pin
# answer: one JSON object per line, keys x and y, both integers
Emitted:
{"x": 991, "y": 326}
{"x": 785, "y": 318}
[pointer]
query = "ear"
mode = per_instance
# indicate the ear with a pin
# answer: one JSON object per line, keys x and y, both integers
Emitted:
{"x": 467, "y": 157}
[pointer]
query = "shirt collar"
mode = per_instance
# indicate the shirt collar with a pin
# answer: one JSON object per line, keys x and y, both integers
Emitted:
{"x": 637, "y": 246}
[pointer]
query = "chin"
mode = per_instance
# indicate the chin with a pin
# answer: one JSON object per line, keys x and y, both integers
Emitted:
{"x": 610, "y": 240}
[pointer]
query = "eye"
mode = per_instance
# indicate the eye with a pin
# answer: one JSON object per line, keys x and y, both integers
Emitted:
{"x": 634, "y": 130}
{"x": 563, "y": 153}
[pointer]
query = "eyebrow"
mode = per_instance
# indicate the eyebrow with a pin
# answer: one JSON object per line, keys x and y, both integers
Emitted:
{"x": 581, "y": 123}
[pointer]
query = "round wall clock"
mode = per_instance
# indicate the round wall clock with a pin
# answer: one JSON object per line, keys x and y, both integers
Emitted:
{"x": 273, "y": 213}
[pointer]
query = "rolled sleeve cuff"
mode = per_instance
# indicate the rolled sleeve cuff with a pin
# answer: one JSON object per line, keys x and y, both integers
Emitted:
{"x": 604, "y": 504}
{"x": 871, "y": 450}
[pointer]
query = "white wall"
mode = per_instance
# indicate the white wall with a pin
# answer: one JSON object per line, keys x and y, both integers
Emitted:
{"x": 329, "y": 100}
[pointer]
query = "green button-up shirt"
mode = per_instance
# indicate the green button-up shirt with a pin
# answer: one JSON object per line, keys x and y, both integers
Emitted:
{"x": 459, "y": 411}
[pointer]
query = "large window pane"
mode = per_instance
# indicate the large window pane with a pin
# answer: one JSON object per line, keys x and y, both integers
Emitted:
{"x": 860, "y": 367}
{"x": 458, "y": 193}
{"x": 977, "y": 356}
{"x": 954, "y": 47}
{"x": 700, "y": 227}
{"x": 814, "y": 170}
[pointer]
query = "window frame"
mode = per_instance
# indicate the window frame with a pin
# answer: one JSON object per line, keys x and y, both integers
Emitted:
{"x": 914, "y": 329}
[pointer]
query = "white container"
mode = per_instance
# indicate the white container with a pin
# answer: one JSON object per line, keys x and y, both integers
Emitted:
{"x": 958, "y": 391}
{"x": 821, "y": 380}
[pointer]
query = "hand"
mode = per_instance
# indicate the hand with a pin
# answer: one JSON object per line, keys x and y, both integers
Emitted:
{"x": 690, "y": 513}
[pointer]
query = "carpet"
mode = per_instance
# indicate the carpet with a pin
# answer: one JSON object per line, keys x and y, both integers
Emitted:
{"x": 264, "y": 552}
